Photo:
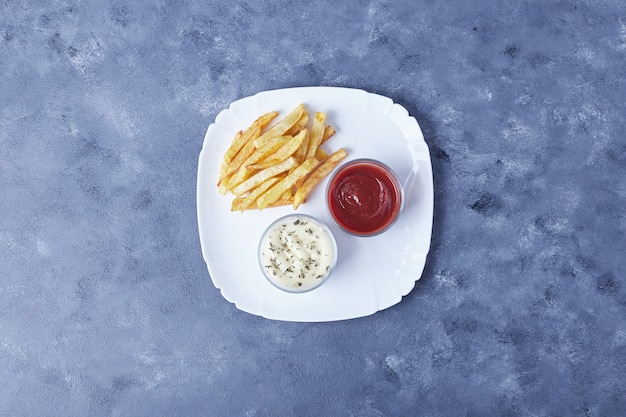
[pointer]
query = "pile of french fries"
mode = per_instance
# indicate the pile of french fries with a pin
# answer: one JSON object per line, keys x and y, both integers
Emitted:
{"x": 275, "y": 165}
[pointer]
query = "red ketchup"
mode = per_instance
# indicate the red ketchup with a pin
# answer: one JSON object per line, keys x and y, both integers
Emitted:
{"x": 364, "y": 197}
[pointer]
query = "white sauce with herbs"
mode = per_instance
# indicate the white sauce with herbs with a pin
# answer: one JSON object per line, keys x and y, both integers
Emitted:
{"x": 297, "y": 254}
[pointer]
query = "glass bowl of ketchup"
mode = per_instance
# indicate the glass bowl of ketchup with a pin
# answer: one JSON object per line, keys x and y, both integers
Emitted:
{"x": 364, "y": 197}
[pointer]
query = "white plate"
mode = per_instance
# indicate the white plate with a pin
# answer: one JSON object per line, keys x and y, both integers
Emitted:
{"x": 372, "y": 273}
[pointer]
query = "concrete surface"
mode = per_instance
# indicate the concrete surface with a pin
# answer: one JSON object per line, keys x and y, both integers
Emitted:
{"x": 107, "y": 308}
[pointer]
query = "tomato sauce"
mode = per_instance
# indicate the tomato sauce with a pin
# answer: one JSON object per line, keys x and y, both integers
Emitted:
{"x": 364, "y": 197}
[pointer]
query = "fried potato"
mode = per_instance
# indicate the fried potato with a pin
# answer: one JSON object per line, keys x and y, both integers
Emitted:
{"x": 250, "y": 155}
{"x": 228, "y": 163}
{"x": 321, "y": 154}
{"x": 243, "y": 172}
{"x": 328, "y": 132}
{"x": 285, "y": 151}
{"x": 300, "y": 153}
{"x": 281, "y": 127}
{"x": 301, "y": 124}
{"x": 273, "y": 165}
{"x": 241, "y": 138}
{"x": 228, "y": 157}
{"x": 317, "y": 176}
{"x": 263, "y": 175}
{"x": 269, "y": 148}
{"x": 317, "y": 132}
{"x": 251, "y": 132}
{"x": 236, "y": 163}
{"x": 280, "y": 202}
{"x": 277, "y": 190}
{"x": 244, "y": 203}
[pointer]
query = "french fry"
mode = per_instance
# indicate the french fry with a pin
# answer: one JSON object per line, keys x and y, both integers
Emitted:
{"x": 273, "y": 165}
{"x": 280, "y": 202}
{"x": 328, "y": 132}
{"x": 236, "y": 163}
{"x": 242, "y": 153}
{"x": 251, "y": 154}
{"x": 228, "y": 157}
{"x": 285, "y": 151}
{"x": 317, "y": 176}
{"x": 243, "y": 203}
{"x": 281, "y": 127}
{"x": 321, "y": 154}
{"x": 250, "y": 133}
{"x": 243, "y": 172}
{"x": 301, "y": 124}
{"x": 263, "y": 175}
{"x": 272, "y": 146}
{"x": 300, "y": 153}
{"x": 277, "y": 190}
{"x": 317, "y": 132}
{"x": 241, "y": 138}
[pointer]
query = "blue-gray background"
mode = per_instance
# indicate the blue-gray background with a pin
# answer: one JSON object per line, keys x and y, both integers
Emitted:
{"x": 106, "y": 306}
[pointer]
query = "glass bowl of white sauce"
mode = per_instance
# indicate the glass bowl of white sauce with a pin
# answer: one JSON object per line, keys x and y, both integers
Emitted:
{"x": 297, "y": 253}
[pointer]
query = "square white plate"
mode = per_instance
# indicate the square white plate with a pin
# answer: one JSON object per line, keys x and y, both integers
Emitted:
{"x": 372, "y": 273}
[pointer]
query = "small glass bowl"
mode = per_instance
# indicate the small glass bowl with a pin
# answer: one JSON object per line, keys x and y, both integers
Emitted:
{"x": 351, "y": 187}
{"x": 297, "y": 262}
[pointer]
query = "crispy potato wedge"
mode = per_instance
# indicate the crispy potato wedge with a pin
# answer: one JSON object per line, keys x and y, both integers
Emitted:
{"x": 317, "y": 176}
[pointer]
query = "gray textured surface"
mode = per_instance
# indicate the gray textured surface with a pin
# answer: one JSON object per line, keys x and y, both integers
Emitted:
{"x": 107, "y": 309}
